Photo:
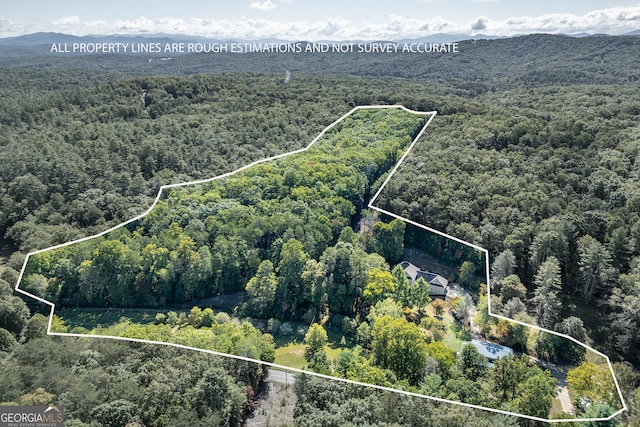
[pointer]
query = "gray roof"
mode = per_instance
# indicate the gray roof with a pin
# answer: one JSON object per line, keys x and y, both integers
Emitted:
{"x": 438, "y": 284}
{"x": 490, "y": 350}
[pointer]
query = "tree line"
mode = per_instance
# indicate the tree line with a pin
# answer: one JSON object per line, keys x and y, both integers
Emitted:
{"x": 272, "y": 229}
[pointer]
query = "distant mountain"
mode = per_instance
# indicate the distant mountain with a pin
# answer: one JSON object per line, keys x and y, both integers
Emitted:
{"x": 533, "y": 60}
{"x": 482, "y": 63}
{"x": 38, "y": 39}
{"x": 40, "y": 43}
{"x": 449, "y": 38}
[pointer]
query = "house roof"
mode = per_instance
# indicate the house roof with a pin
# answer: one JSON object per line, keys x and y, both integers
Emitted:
{"x": 410, "y": 269}
{"x": 490, "y": 350}
{"x": 414, "y": 273}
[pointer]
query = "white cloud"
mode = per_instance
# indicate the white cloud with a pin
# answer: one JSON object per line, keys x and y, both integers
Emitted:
{"x": 616, "y": 20}
{"x": 479, "y": 24}
{"x": 264, "y": 5}
{"x": 69, "y": 20}
{"x": 612, "y": 20}
{"x": 6, "y": 25}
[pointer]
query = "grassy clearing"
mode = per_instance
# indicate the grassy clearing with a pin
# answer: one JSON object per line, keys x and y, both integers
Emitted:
{"x": 451, "y": 341}
{"x": 291, "y": 355}
{"x": 290, "y": 351}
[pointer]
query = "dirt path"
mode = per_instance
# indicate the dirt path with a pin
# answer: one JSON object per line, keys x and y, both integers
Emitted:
{"x": 559, "y": 372}
{"x": 565, "y": 400}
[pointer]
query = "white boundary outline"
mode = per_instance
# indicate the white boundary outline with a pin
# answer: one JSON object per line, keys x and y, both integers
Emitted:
{"x": 371, "y": 206}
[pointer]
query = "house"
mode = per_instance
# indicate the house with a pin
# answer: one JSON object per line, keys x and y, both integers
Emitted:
{"x": 438, "y": 284}
{"x": 490, "y": 350}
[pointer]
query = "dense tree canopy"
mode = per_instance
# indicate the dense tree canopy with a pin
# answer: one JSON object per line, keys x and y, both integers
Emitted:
{"x": 536, "y": 162}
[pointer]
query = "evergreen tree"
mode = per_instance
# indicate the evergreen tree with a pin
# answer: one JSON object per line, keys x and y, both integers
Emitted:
{"x": 546, "y": 301}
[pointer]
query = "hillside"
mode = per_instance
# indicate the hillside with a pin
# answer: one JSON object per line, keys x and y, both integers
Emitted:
{"x": 533, "y": 155}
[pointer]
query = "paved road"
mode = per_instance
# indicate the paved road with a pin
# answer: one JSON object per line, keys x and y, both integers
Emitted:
{"x": 281, "y": 377}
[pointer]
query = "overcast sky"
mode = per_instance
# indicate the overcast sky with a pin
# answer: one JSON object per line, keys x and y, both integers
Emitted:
{"x": 318, "y": 20}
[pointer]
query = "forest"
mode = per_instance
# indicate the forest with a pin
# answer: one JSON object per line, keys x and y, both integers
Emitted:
{"x": 536, "y": 163}
{"x": 280, "y": 231}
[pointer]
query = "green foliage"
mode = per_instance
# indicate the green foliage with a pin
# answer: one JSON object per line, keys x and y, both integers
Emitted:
{"x": 444, "y": 356}
{"x": 504, "y": 265}
{"x": 398, "y": 345}
{"x": 380, "y": 285}
{"x": 593, "y": 382}
{"x": 207, "y": 317}
{"x": 388, "y": 307}
{"x": 389, "y": 239}
{"x": 319, "y": 363}
{"x": 81, "y": 155}
{"x": 36, "y": 327}
{"x": 322, "y": 403}
{"x": 553, "y": 347}
{"x": 110, "y": 382}
{"x": 482, "y": 318}
{"x": 289, "y": 294}
{"x": 5, "y": 288}
{"x": 548, "y": 283}
{"x": 353, "y": 365}
{"x": 473, "y": 364}
{"x": 7, "y": 341}
{"x": 574, "y": 327}
{"x": 9, "y": 276}
{"x": 465, "y": 390}
{"x": 224, "y": 336}
{"x": 13, "y": 314}
{"x": 212, "y": 238}
{"x": 262, "y": 290}
{"x": 512, "y": 288}
{"x": 419, "y": 293}
{"x": 40, "y": 397}
{"x": 599, "y": 410}
{"x": 595, "y": 266}
{"x": 536, "y": 398}
{"x": 508, "y": 374}
{"x": 462, "y": 307}
{"x": 625, "y": 321}
{"x": 216, "y": 393}
{"x": 466, "y": 275}
{"x": 118, "y": 413}
{"x": 315, "y": 338}
{"x": 195, "y": 317}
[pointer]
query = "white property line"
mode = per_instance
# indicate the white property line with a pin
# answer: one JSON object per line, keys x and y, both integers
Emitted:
{"x": 371, "y": 205}
{"x": 486, "y": 256}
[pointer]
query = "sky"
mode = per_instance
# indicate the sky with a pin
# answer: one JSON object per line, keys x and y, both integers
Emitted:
{"x": 319, "y": 20}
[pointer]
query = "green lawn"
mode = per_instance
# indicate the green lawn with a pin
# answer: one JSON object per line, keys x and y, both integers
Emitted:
{"x": 451, "y": 341}
{"x": 291, "y": 355}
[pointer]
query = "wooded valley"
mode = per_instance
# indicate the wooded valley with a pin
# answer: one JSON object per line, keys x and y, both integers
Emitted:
{"x": 537, "y": 162}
